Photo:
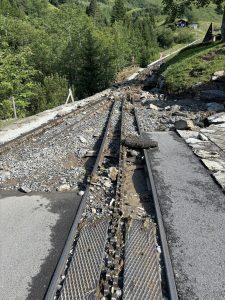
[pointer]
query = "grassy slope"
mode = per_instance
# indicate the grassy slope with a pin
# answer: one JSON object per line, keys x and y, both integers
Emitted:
{"x": 193, "y": 65}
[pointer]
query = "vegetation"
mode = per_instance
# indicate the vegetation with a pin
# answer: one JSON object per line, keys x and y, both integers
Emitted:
{"x": 47, "y": 46}
{"x": 194, "y": 65}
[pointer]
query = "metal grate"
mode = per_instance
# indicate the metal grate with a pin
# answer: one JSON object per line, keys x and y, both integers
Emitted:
{"x": 141, "y": 273}
{"x": 84, "y": 271}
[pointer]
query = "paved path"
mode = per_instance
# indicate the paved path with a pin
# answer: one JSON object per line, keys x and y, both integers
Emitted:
{"x": 193, "y": 209}
{"x": 33, "y": 229}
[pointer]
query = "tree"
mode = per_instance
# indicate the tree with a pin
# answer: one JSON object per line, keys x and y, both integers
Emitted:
{"x": 177, "y": 7}
{"x": 17, "y": 80}
{"x": 118, "y": 11}
{"x": 92, "y": 8}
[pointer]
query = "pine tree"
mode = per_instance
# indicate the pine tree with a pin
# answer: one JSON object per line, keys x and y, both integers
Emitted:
{"x": 118, "y": 11}
{"x": 92, "y": 8}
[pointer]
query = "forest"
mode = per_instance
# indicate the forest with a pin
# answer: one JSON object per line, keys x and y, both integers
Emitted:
{"x": 47, "y": 47}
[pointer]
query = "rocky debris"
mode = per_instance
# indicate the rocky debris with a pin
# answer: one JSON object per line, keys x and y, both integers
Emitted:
{"x": 112, "y": 173}
{"x": 61, "y": 113}
{"x": 82, "y": 139}
{"x": 186, "y": 134}
{"x": 55, "y": 157}
{"x": 216, "y": 118}
{"x": 152, "y": 106}
{"x": 219, "y": 76}
{"x": 4, "y": 175}
{"x": 151, "y": 82}
{"x": 63, "y": 188}
{"x": 215, "y": 107}
{"x": 134, "y": 153}
{"x": 212, "y": 95}
{"x": 184, "y": 124}
{"x": 193, "y": 141}
{"x": 25, "y": 189}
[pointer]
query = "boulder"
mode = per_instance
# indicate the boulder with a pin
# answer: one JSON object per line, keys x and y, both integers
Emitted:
{"x": 184, "y": 124}
{"x": 216, "y": 118}
{"x": 25, "y": 189}
{"x": 219, "y": 76}
{"x": 212, "y": 95}
{"x": 82, "y": 139}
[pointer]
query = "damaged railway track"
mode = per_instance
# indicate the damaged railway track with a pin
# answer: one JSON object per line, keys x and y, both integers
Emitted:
{"x": 116, "y": 248}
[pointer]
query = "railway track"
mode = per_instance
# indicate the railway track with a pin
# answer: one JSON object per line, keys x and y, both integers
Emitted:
{"x": 79, "y": 114}
{"x": 113, "y": 250}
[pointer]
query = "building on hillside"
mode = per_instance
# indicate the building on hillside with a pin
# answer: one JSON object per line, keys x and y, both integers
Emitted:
{"x": 182, "y": 23}
{"x": 193, "y": 25}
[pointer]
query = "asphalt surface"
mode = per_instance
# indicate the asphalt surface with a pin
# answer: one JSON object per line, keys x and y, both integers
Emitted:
{"x": 33, "y": 230}
{"x": 193, "y": 209}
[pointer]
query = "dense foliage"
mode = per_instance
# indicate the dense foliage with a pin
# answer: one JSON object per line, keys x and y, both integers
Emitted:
{"x": 48, "y": 46}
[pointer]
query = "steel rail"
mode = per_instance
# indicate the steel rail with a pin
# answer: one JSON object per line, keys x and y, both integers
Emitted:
{"x": 171, "y": 284}
{"x": 55, "y": 280}
{"x": 50, "y": 124}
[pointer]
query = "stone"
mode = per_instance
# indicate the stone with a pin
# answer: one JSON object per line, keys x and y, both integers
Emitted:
{"x": 216, "y": 118}
{"x": 220, "y": 178}
{"x": 4, "y": 175}
{"x": 192, "y": 141}
{"x": 81, "y": 193}
{"x": 107, "y": 184}
{"x": 25, "y": 189}
{"x": 61, "y": 113}
{"x": 133, "y": 153}
{"x": 213, "y": 106}
{"x": 167, "y": 108}
{"x": 152, "y": 106}
{"x": 212, "y": 95}
{"x": 205, "y": 154}
{"x": 214, "y": 165}
{"x": 82, "y": 139}
{"x": 186, "y": 134}
{"x": 175, "y": 108}
{"x": 203, "y": 137}
{"x": 184, "y": 124}
{"x": 112, "y": 173}
{"x": 219, "y": 76}
{"x": 63, "y": 188}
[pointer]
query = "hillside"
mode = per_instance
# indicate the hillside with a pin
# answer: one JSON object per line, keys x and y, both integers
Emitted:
{"x": 192, "y": 68}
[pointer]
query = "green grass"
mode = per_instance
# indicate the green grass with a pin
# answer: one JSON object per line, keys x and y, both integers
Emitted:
{"x": 193, "y": 65}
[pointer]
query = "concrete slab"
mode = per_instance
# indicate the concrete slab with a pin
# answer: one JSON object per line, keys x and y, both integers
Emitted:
{"x": 193, "y": 209}
{"x": 33, "y": 230}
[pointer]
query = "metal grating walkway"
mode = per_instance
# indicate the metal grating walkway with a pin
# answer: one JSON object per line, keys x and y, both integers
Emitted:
{"x": 84, "y": 271}
{"x": 141, "y": 274}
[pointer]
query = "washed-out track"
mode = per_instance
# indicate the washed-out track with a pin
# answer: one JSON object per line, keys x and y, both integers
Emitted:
{"x": 116, "y": 248}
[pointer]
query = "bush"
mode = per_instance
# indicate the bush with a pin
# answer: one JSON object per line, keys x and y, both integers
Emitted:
{"x": 165, "y": 38}
{"x": 183, "y": 36}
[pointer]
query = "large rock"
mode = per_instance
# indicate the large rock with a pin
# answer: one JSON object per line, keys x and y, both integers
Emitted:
{"x": 219, "y": 76}
{"x": 63, "y": 188}
{"x": 184, "y": 124}
{"x": 212, "y": 95}
{"x": 214, "y": 165}
{"x": 216, "y": 118}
